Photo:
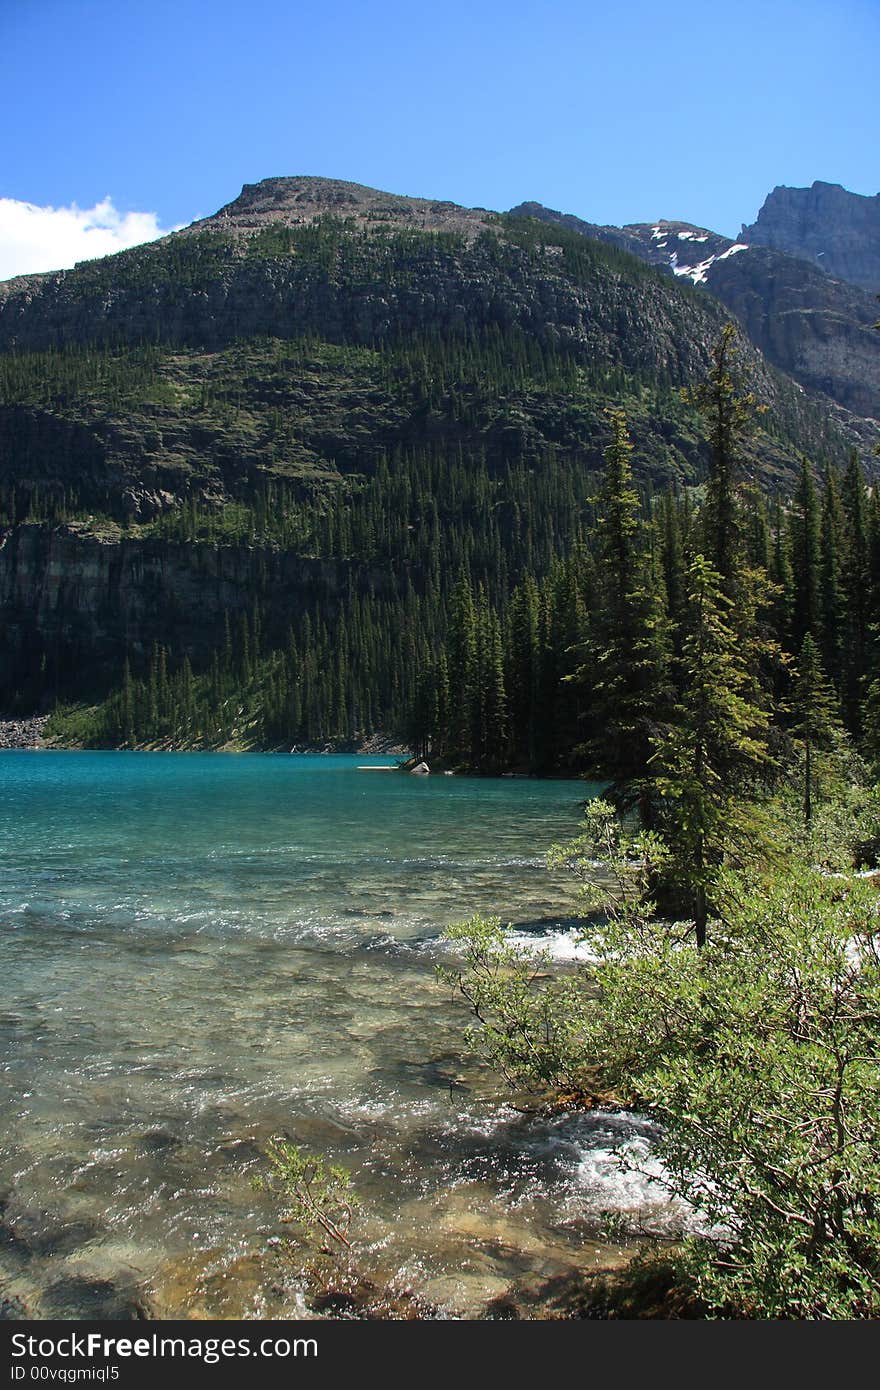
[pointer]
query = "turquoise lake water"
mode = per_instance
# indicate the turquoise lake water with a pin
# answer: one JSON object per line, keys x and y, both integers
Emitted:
{"x": 198, "y": 951}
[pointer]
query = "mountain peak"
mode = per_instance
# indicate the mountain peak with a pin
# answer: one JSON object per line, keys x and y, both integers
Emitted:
{"x": 302, "y": 198}
{"x": 836, "y": 230}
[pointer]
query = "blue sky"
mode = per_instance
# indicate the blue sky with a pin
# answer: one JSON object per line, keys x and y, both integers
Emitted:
{"x": 617, "y": 112}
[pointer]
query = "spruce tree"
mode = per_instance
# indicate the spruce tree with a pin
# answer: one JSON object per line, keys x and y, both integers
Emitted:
{"x": 442, "y": 703}
{"x": 873, "y": 656}
{"x": 524, "y": 670}
{"x": 830, "y": 590}
{"x": 461, "y": 647}
{"x": 781, "y": 576}
{"x": 127, "y": 722}
{"x": 804, "y": 529}
{"x": 715, "y": 741}
{"x": 855, "y": 580}
{"x": 815, "y": 706}
{"x": 625, "y": 676}
{"x": 871, "y": 726}
{"x": 493, "y": 695}
{"x": 673, "y": 561}
{"x": 727, "y": 411}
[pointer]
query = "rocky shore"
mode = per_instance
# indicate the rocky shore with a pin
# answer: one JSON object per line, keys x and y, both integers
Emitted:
{"x": 371, "y": 744}
{"x": 22, "y": 733}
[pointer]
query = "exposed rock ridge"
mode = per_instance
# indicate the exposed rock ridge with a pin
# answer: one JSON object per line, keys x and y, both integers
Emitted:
{"x": 825, "y": 224}
{"x": 303, "y": 198}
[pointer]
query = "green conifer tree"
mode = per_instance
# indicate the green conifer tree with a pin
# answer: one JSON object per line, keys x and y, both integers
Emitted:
{"x": 524, "y": 670}
{"x": 461, "y": 647}
{"x": 815, "y": 709}
{"x": 855, "y": 582}
{"x": 625, "y": 676}
{"x": 830, "y": 591}
{"x": 728, "y": 411}
{"x": 804, "y": 530}
{"x": 716, "y": 740}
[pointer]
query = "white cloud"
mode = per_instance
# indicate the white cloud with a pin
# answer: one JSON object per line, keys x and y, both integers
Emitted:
{"x": 34, "y": 238}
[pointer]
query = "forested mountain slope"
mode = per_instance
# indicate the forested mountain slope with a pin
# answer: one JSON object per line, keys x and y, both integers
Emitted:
{"x": 816, "y": 326}
{"x": 320, "y": 405}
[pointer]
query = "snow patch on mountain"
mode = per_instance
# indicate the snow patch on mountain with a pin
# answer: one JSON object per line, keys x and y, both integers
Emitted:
{"x": 697, "y": 273}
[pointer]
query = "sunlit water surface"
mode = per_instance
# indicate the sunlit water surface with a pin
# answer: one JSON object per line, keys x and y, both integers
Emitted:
{"x": 199, "y": 951}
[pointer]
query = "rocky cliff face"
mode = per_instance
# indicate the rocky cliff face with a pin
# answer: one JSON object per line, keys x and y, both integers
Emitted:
{"x": 834, "y": 229}
{"x": 818, "y": 329}
{"x": 74, "y": 604}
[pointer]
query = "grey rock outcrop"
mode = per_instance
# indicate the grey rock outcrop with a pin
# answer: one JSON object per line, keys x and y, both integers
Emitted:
{"x": 819, "y": 330}
{"x": 825, "y": 224}
{"x": 22, "y": 733}
{"x": 301, "y": 198}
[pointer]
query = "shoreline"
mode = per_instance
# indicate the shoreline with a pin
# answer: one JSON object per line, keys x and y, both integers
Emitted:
{"x": 29, "y": 733}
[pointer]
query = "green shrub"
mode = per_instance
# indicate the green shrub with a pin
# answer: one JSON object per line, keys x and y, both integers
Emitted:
{"x": 758, "y": 1055}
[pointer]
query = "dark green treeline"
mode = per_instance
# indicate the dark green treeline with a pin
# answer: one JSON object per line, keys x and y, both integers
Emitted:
{"x": 574, "y": 669}
{"x": 593, "y": 666}
{"x": 535, "y": 622}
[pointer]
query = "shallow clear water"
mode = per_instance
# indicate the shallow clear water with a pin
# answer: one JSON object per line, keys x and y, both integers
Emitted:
{"x": 198, "y": 951}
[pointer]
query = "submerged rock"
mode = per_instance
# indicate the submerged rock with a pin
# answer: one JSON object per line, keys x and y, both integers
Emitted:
{"x": 32, "y": 1232}
{"x": 157, "y": 1140}
{"x": 78, "y": 1296}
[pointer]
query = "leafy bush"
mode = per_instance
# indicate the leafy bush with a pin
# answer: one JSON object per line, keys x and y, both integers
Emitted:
{"x": 530, "y": 1022}
{"x": 316, "y": 1195}
{"x": 758, "y": 1055}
